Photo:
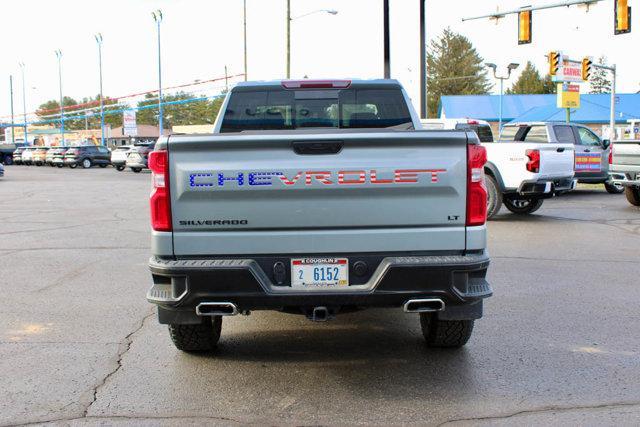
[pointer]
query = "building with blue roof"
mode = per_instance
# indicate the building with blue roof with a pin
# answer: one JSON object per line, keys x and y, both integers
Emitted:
{"x": 594, "y": 108}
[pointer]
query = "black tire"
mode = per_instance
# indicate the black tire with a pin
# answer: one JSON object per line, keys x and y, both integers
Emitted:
{"x": 613, "y": 188}
{"x": 60, "y": 165}
{"x": 136, "y": 170}
{"x": 523, "y": 206}
{"x": 494, "y": 197}
{"x": 445, "y": 333}
{"x": 200, "y": 337}
{"x": 73, "y": 165}
{"x": 633, "y": 195}
{"x": 8, "y": 160}
{"x": 86, "y": 163}
{"x": 120, "y": 168}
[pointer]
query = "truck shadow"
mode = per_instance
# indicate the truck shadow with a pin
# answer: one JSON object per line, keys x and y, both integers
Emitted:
{"x": 364, "y": 350}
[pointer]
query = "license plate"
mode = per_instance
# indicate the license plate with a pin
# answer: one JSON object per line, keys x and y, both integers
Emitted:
{"x": 317, "y": 272}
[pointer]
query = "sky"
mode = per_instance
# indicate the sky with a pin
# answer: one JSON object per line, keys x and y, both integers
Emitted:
{"x": 200, "y": 37}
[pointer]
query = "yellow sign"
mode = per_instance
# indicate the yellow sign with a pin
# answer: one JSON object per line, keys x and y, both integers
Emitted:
{"x": 568, "y": 95}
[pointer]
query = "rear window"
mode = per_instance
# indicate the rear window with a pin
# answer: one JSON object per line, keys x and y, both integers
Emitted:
{"x": 122, "y": 148}
{"x": 535, "y": 133}
{"x": 483, "y": 131}
{"x": 564, "y": 134}
{"x": 282, "y": 109}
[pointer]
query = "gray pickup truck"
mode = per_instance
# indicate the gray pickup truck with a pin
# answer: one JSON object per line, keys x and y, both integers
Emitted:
{"x": 318, "y": 198}
{"x": 625, "y": 168}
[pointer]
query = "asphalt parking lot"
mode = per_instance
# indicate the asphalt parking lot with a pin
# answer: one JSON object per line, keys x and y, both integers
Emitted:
{"x": 559, "y": 342}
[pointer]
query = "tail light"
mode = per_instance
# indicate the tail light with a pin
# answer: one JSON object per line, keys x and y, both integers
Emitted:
{"x": 316, "y": 84}
{"x": 611, "y": 153}
{"x": 160, "y": 200}
{"x": 533, "y": 165}
{"x": 476, "y": 189}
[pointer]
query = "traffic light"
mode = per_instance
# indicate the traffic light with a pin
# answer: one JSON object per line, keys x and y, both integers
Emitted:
{"x": 622, "y": 17}
{"x": 555, "y": 59}
{"x": 586, "y": 68}
{"x": 524, "y": 27}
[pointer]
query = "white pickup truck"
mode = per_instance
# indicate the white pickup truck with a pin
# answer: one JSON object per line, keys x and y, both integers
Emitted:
{"x": 527, "y": 165}
{"x": 625, "y": 168}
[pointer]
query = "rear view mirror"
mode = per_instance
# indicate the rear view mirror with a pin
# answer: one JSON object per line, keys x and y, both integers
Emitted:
{"x": 606, "y": 143}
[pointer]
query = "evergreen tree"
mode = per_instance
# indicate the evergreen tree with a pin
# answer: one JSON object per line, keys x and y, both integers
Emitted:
{"x": 530, "y": 82}
{"x": 454, "y": 68}
{"x": 599, "y": 80}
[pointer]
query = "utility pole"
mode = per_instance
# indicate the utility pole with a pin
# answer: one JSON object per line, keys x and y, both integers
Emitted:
{"x": 612, "y": 113}
{"x": 288, "y": 39}
{"x": 99, "y": 41}
{"x": 387, "y": 46}
{"x": 13, "y": 137}
{"x": 157, "y": 16}
{"x": 24, "y": 103}
{"x": 244, "y": 24}
{"x": 423, "y": 61}
{"x": 59, "y": 56}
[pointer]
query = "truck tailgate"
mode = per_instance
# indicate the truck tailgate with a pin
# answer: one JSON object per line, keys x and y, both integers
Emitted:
{"x": 391, "y": 191}
{"x": 626, "y": 153}
{"x": 556, "y": 159}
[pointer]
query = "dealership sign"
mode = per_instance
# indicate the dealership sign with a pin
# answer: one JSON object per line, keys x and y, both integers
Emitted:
{"x": 568, "y": 95}
{"x": 129, "y": 124}
{"x": 568, "y": 73}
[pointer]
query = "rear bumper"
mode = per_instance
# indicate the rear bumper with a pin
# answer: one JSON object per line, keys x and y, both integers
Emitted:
{"x": 627, "y": 179}
{"x": 181, "y": 285}
{"x": 546, "y": 188}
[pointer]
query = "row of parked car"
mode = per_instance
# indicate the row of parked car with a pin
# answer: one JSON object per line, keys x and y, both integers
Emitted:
{"x": 85, "y": 156}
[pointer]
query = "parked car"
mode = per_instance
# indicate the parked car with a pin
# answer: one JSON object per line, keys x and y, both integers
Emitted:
{"x": 57, "y": 157}
{"x": 592, "y": 154}
{"x": 138, "y": 156}
{"x": 625, "y": 168}
{"x": 40, "y": 155}
{"x": 17, "y": 155}
{"x": 7, "y": 150}
{"x": 401, "y": 223}
{"x": 119, "y": 157}
{"x": 525, "y": 167}
{"x": 1, "y": 170}
{"x": 87, "y": 156}
{"x": 49, "y": 157}
{"x": 27, "y": 155}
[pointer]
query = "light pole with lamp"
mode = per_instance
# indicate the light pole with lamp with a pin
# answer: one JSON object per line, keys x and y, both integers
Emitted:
{"x": 157, "y": 16}
{"x": 59, "y": 56}
{"x": 289, "y": 19}
{"x": 24, "y": 103}
{"x": 510, "y": 68}
{"x": 99, "y": 41}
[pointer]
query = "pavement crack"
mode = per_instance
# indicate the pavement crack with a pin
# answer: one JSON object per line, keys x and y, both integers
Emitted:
{"x": 542, "y": 410}
{"x": 125, "y": 346}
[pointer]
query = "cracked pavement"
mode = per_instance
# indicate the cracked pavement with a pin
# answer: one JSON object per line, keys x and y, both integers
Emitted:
{"x": 80, "y": 345}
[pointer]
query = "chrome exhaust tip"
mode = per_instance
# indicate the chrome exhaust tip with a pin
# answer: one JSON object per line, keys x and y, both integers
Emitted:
{"x": 423, "y": 305}
{"x": 216, "y": 309}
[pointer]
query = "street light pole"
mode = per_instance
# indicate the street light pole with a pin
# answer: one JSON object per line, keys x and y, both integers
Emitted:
{"x": 99, "y": 41}
{"x": 387, "y": 45}
{"x": 289, "y": 19}
{"x": 13, "y": 137}
{"x": 288, "y": 39}
{"x": 157, "y": 16}
{"x": 244, "y": 24}
{"x": 24, "y": 103}
{"x": 59, "y": 56}
{"x": 512, "y": 66}
{"x": 423, "y": 61}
